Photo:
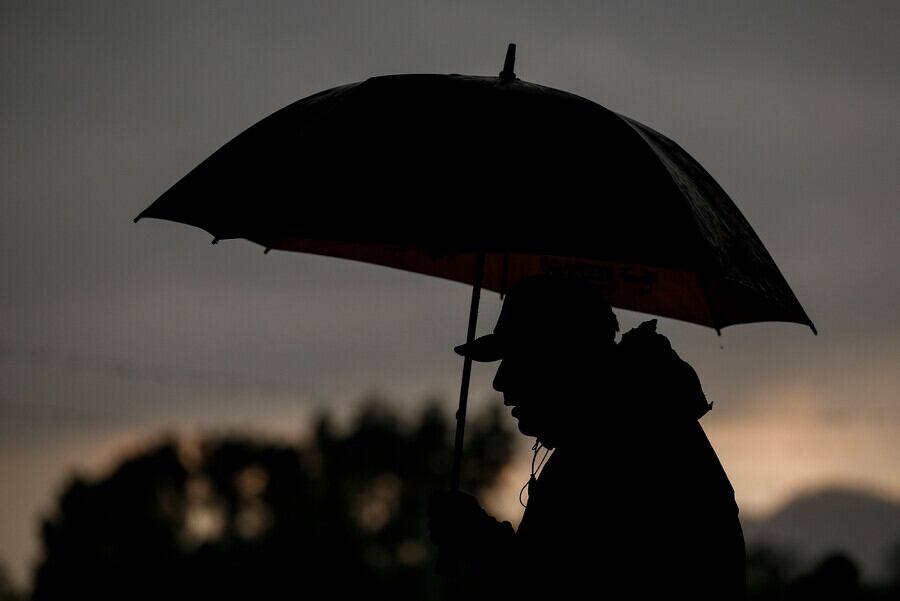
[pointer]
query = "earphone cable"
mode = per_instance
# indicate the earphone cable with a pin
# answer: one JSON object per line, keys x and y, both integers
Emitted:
{"x": 537, "y": 447}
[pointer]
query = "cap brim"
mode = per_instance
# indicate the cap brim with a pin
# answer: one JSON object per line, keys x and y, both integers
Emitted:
{"x": 487, "y": 348}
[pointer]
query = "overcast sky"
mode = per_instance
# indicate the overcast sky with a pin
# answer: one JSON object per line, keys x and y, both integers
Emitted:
{"x": 110, "y": 331}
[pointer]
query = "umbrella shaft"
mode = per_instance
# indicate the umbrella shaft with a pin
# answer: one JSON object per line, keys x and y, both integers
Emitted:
{"x": 467, "y": 372}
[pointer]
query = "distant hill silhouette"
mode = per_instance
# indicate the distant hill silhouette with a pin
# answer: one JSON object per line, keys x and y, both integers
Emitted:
{"x": 857, "y": 522}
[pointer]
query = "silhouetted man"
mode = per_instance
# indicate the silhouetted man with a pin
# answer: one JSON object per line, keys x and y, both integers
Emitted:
{"x": 632, "y": 502}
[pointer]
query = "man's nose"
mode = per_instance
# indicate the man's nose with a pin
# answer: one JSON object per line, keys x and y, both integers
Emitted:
{"x": 499, "y": 378}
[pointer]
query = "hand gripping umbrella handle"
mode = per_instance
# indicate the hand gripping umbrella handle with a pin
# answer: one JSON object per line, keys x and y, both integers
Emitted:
{"x": 446, "y": 565}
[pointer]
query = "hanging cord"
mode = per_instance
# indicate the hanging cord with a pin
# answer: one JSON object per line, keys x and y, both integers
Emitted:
{"x": 537, "y": 447}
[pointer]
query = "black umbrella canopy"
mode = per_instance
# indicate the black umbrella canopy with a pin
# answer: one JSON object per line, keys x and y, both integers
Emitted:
{"x": 424, "y": 172}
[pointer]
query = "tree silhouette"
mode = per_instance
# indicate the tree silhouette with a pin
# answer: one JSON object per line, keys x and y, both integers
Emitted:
{"x": 232, "y": 517}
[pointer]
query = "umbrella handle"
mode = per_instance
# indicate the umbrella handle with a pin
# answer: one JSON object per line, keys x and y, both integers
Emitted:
{"x": 446, "y": 564}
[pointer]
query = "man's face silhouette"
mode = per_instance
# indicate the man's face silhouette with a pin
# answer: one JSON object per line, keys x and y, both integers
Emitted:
{"x": 555, "y": 386}
{"x": 553, "y": 337}
{"x": 514, "y": 378}
{"x": 536, "y": 385}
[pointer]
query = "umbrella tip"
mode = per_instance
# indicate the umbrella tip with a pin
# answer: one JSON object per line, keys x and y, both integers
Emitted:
{"x": 138, "y": 218}
{"x": 266, "y": 251}
{"x": 215, "y": 241}
{"x": 508, "y": 74}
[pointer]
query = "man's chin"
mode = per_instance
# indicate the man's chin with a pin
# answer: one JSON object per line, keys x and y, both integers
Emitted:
{"x": 527, "y": 429}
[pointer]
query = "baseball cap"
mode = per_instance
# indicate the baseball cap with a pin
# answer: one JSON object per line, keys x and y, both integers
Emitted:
{"x": 547, "y": 310}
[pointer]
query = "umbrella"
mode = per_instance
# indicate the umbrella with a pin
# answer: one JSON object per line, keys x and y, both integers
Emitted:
{"x": 487, "y": 180}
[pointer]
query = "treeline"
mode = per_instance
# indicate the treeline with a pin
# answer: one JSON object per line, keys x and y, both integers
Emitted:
{"x": 340, "y": 515}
